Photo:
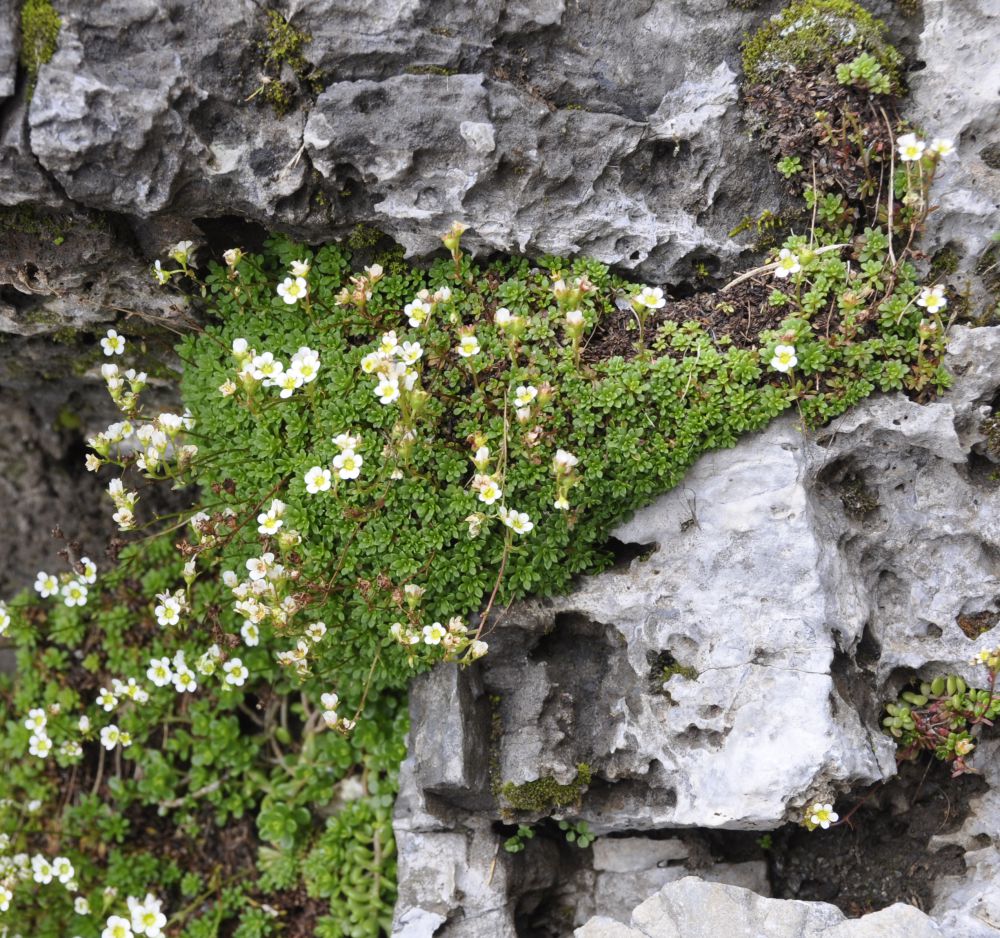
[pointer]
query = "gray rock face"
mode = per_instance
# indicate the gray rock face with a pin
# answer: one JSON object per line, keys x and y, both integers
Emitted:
{"x": 957, "y": 94}
{"x": 794, "y": 583}
{"x": 691, "y": 908}
{"x": 555, "y": 135}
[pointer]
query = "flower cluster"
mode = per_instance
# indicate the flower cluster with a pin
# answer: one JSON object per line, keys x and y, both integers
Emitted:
{"x": 361, "y": 286}
{"x": 269, "y": 371}
{"x": 489, "y": 491}
{"x": 420, "y": 309}
{"x": 911, "y": 149}
{"x": 392, "y": 365}
{"x": 564, "y": 467}
{"x": 347, "y": 464}
{"x": 453, "y": 639}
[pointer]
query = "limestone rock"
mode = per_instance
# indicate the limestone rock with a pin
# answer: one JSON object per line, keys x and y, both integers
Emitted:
{"x": 691, "y": 908}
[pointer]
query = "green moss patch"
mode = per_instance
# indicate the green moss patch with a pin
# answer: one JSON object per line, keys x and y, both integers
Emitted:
{"x": 40, "y": 26}
{"x": 808, "y": 32}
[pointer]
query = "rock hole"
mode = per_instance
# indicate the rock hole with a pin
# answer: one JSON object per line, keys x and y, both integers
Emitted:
{"x": 623, "y": 553}
{"x": 868, "y": 650}
{"x": 884, "y": 857}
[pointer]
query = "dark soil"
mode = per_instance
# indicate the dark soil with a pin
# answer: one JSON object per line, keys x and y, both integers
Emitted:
{"x": 881, "y": 857}
{"x": 976, "y": 624}
{"x": 784, "y": 113}
{"x": 739, "y": 314}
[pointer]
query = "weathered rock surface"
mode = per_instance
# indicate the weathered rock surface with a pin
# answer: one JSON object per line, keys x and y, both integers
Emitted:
{"x": 957, "y": 92}
{"x": 803, "y": 579}
{"x": 691, "y": 908}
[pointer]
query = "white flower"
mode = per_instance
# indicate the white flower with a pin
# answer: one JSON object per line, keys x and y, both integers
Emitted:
{"x": 561, "y": 503}
{"x": 160, "y": 672}
{"x": 117, "y": 927}
{"x": 784, "y": 358}
{"x": 650, "y": 297}
{"x": 236, "y": 673}
{"x": 89, "y": 570}
{"x": 39, "y": 745}
{"x": 258, "y": 567}
{"x": 410, "y": 352}
{"x": 489, "y": 491}
{"x": 344, "y": 441}
{"x": 387, "y": 390}
{"x": 266, "y": 367}
{"x": 46, "y": 584}
{"x": 389, "y": 342}
{"x": 159, "y": 273}
{"x": 131, "y": 690}
{"x": 305, "y": 363}
{"x": 574, "y": 318}
{"x": 468, "y": 346}
{"x": 300, "y": 268}
{"x": 74, "y": 593}
{"x": 418, "y": 312}
{"x": 289, "y": 382}
{"x": 564, "y": 460}
{"x": 317, "y": 480}
{"x": 110, "y": 736}
{"x": 502, "y": 317}
{"x": 434, "y": 633}
{"x": 106, "y": 700}
{"x": 147, "y": 919}
{"x": 124, "y": 518}
{"x": 517, "y": 521}
{"x": 910, "y": 148}
{"x": 268, "y": 523}
{"x": 823, "y": 815}
{"x": 482, "y": 457}
{"x": 478, "y": 648}
{"x": 329, "y": 701}
{"x": 83, "y": 724}
{"x": 36, "y": 720}
{"x": 185, "y": 680}
{"x": 942, "y": 146}
{"x": 292, "y": 290}
{"x": 316, "y": 630}
{"x": 525, "y": 395}
{"x": 81, "y": 906}
{"x": 181, "y": 251}
{"x": 251, "y": 634}
{"x": 240, "y": 347}
{"x": 41, "y": 870}
{"x": 348, "y": 464}
{"x": 232, "y": 257}
{"x": 63, "y": 869}
{"x": 168, "y": 612}
{"x": 113, "y": 343}
{"x": 932, "y": 298}
{"x": 788, "y": 263}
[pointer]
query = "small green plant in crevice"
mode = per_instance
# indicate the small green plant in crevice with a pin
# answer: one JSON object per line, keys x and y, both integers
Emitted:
{"x": 578, "y": 833}
{"x": 542, "y": 795}
{"x": 516, "y": 842}
{"x": 810, "y": 32}
{"x": 944, "y": 716}
{"x": 865, "y": 71}
{"x": 40, "y": 25}
{"x": 284, "y": 60}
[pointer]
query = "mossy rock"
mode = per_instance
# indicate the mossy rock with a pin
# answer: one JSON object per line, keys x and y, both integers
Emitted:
{"x": 40, "y": 26}
{"x": 810, "y": 32}
{"x": 544, "y": 795}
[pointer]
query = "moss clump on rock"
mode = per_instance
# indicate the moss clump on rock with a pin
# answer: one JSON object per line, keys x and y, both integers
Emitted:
{"x": 39, "y": 36}
{"x": 810, "y": 32}
{"x": 544, "y": 794}
{"x": 283, "y": 49}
